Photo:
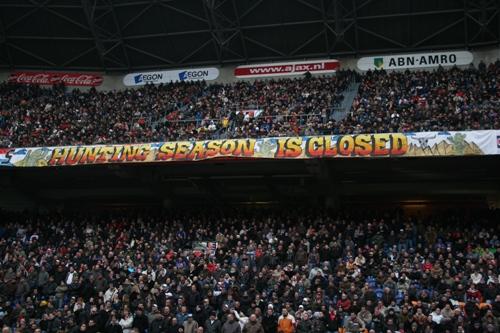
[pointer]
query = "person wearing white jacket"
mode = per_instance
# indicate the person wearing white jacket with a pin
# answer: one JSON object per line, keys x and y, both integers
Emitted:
{"x": 126, "y": 322}
{"x": 108, "y": 295}
{"x": 241, "y": 318}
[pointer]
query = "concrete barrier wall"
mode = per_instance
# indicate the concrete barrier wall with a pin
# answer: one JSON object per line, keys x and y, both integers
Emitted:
{"x": 226, "y": 73}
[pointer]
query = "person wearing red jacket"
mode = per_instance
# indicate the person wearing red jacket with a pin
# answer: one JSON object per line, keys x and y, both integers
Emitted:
{"x": 344, "y": 302}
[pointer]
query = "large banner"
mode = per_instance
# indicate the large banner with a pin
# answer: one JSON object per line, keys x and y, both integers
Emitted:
{"x": 329, "y": 146}
{"x": 287, "y": 68}
{"x": 416, "y": 60}
{"x": 51, "y": 78}
{"x": 157, "y": 77}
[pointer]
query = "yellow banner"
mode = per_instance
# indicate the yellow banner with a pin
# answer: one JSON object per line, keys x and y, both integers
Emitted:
{"x": 359, "y": 145}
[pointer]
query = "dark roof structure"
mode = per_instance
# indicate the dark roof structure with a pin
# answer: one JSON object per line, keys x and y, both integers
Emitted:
{"x": 215, "y": 183}
{"x": 123, "y": 35}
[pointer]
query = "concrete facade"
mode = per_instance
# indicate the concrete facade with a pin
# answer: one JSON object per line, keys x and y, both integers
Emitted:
{"x": 115, "y": 81}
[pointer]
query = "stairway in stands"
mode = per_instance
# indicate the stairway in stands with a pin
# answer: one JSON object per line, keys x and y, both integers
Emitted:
{"x": 343, "y": 110}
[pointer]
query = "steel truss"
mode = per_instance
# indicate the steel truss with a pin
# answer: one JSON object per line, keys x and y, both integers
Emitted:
{"x": 238, "y": 31}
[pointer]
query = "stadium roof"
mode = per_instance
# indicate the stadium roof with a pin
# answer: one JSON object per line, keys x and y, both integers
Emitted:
{"x": 120, "y": 35}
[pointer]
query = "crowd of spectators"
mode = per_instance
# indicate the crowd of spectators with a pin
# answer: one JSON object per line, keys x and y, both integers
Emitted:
{"x": 419, "y": 101}
{"x": 37, "y": 116}
{"x": 427, "y": 100}
{"x": 270, "y": 271}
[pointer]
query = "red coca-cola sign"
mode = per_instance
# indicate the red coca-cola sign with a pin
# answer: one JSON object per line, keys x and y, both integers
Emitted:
{"x": 50, "y": 78}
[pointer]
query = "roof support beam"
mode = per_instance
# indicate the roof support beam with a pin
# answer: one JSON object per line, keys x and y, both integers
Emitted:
{"x": 438, "y": 32}
{"x": 307, "y": 42}
{"x": 483, "y": 21}
{"x": 31, "y": 54}
{"x": 310, "y": 5}
{"x": 217, "y": 37}
{"x": 240, "y": 31}
{"x": 466, "y": 25}
{"x": 222, "y": 29}
{"x": 498, "y": 19}
{"x": 356, "y": 33}
{"x": 198, "y": 49}
{"x": 167, "y": 34}
{"x": 191, "y": 15}
{"x": 62, "y": 38}
{"x": 78, "y": 56}
{"x": 89, "y": 10}
{"x": 249, "y": 10}
{"x": 387, "y": 39}
{"x": 325, "y": 27}
{"x": 119, "y": 33}
{"x": 137, "y": 16}
{"x": 265, "y": 46}
{"x": 152, "y": 55}
{"x": 98, "y": 14}
{"x": 3, "y": 40}
{"x": 34, "y": 9}
{"x": 66, "y": 18}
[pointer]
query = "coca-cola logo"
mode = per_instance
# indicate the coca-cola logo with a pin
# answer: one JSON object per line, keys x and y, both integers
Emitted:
{"x": 69, "y": 79}
{"x": 81, "y": 80}
{"x": 31, "y": 78}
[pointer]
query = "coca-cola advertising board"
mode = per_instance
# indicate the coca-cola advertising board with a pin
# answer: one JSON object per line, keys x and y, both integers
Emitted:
{"x": 51, "y": 78}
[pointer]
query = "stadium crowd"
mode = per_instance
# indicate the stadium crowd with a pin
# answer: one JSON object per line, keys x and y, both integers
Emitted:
{"x": 437, "y": 100}
{"x": 265, "y": 271}
{"x": 441, "y": 100}
{"x": 36, "y": 116}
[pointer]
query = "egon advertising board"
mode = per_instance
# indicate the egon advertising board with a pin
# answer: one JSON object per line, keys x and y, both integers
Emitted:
{"x": 287, "y": 68}
{"x": 416, "y": 60}
{"x": 157, "y": 77}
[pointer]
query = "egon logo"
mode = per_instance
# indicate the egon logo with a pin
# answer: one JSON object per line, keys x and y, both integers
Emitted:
{"x": 158, "y": 77}
{"x": 147, "y": 78}
{"x": 193, "y": 75}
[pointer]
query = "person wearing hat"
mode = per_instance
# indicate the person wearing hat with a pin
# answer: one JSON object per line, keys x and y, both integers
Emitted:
{"x": 190, "y": 325}
{"x": 212, "y": 324}
{"x": 299, "y": 312}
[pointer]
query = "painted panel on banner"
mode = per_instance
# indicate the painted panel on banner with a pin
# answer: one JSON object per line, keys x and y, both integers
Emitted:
{"x": 50, "y": 78}
{"x": 287, "y": 68}
{"x": 417, "y": 60}
{"x": 157, "y": 77}
{"x": 329, "y": 146}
